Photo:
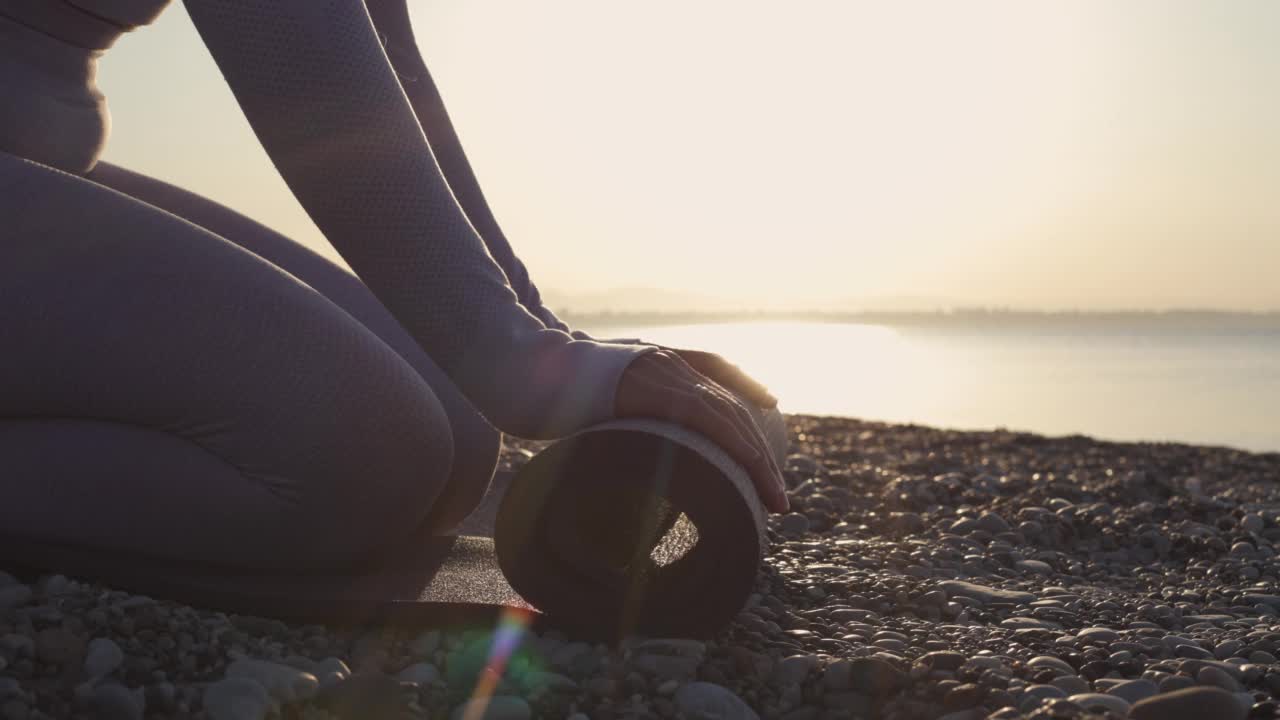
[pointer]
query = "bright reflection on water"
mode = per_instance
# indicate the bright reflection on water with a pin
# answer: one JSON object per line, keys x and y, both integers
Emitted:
{"x": 1215, "y": 390}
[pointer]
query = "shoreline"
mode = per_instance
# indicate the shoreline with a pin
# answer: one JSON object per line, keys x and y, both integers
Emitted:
{"x": 923, "y": 573}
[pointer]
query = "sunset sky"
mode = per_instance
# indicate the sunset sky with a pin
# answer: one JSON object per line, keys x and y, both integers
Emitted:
{"x": 1028, "y": 154}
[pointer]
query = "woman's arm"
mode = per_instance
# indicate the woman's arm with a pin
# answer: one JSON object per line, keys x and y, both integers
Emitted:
{"x": 319, "y": 92}
{"x": 391, "y": 20}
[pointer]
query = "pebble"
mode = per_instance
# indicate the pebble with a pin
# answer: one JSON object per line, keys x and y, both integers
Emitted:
{"x": 1197, "y": 703}
{"x": 1038, "y": 567}
{"x": 236, "y": 699}
{"x": 906, "y": 567}
{"x": 1053, "y": 663}
{"x": 1112, "y": 703}
{"x": 1251, "y": 523}
{"x": 943, "y": 660}
{"x": 1098, "y": 635}
{"x": 708, "y": 701}
{"x": 115, "y": 702}
{"x": 59, "y": 646}
{"x": 1034, "y": 695}
{"x": 425, "y": 644}
{"x": 874, "y": 677}
{"x": 1133, "y": 690}
{"x": 1210, "y": 675}
{"x": 419, "y": 673}
{"x": 14, "y": 596}
{"x": 102, "y": 658}
{"x": 794, "y": 669}
{"x": 793, "y": 524}
{"x": 984, "y": 594}
{"x": 284, "y": 683}
{"x": 1070, "y": 684}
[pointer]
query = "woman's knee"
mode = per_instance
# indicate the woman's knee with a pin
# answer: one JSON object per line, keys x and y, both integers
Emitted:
{"x": 376, "y": 476}
{"x": 477, "y": 446}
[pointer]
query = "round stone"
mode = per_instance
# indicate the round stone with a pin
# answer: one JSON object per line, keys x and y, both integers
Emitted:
{"x": 1091, "y": 701}
{"x": 1133, "y": 690}
{"x": 1098, "y": 635}
{"x": 1062, "y": 667}
{"x": 712, "y": 702}
{"x": 102, "y": 658}
{"x": 1195, "y": 703}
{"x": 236, "y": 699}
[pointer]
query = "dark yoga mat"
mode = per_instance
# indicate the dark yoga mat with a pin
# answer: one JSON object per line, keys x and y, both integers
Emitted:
{"x": 628, "y": 526}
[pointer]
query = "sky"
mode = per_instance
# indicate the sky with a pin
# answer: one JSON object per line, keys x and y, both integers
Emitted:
{"x": 827, "y": 154}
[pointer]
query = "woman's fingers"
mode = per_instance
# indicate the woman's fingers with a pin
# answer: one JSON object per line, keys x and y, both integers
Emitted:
{"x": 660, "y": 385}
{"x": 730, "y": 376}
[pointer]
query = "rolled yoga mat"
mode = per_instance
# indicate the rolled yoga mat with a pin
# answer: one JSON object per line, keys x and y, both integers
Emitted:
{"x": 628, "y": 526}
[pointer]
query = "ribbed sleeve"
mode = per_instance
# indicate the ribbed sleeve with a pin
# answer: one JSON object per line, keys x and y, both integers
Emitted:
{"x": 317, "y": 89}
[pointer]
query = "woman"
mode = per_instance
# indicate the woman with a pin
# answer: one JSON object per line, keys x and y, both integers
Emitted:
{"x": 178, "y": 381}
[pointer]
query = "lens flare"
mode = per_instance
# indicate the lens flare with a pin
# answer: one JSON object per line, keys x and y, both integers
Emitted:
{"x": 512, "y": 626}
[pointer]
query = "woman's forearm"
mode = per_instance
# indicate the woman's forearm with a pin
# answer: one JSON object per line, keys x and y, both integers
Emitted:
{"x": 391, "y": 19}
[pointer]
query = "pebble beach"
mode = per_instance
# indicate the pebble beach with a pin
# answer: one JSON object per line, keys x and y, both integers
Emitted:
{"x": 922, "y": 574}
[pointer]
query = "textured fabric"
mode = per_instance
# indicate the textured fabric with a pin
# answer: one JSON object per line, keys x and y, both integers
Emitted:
{"x": 322, "y": 97}
{"x": 476, "y": 442}
{"x": 166, "y": 392}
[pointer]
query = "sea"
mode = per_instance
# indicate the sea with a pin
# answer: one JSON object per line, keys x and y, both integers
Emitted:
{"x": 1205, "y": 386}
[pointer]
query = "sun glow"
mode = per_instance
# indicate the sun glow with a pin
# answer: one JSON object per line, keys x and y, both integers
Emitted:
{"x": 1052, "y": 154}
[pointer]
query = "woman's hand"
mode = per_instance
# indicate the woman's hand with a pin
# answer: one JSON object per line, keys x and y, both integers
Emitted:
{"x": 663, "y": 385}
{"x": 728, "y": 376}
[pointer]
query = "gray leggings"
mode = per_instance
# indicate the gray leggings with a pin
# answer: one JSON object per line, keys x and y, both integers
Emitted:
{"x": 178, "y": 381}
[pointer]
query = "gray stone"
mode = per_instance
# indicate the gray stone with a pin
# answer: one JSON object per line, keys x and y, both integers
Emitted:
{"x": 498, "y": 707}
{"x": 1029, "y": 623}
{"x": 1196, "y": 703}
{"x": 1210, "y": 675}
{"x": 102, "y": 658}
{"x": 14, "y": 596}
{"x": 838, "y": 676}
{"x": 1227, "y": 648}
{"x": 871, "y": 676}
{"x": 1133, "y": 690}
{"x": 1090, "y": 701}
{"x": 419, "y": 674}
{"x": 793, "y": 524}
{"x": 284, "y": 683}
{"x": 1038, "y": 567}
{"x": 1173, "y": 683}
{"x": 943, "y": 660}
{"x": 115, "y": 702}
{"x": 1071, "y": 684}
{"x": 992, "y": 523}
{"x": 236, "y": 699}
{"x": 1034, "y": 695}
{"x": 1251, "y": 523}
{"x": 1098, "y": 635}
{"x": 425, "y": 644}
{"x": 794, "y": 669}
{"x": 1059, "y": 665}
{"x": 708, "y": 701}
{"x": 985, "y": 594}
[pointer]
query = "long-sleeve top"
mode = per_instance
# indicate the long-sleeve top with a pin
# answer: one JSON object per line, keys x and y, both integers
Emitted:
{"x": 320, "y": 93}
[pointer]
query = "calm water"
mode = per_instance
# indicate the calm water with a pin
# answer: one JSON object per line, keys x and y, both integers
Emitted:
{"x": 1213, "y": 389}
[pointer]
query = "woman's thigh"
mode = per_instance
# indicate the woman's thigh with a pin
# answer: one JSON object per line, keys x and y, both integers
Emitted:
{"x": 476, "y": 441}
{"x": 165, "y": 392}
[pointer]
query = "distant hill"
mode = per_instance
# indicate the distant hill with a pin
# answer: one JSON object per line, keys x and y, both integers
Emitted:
{"x": 1139, "y": 322}
{"x": 640, "y": 299}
